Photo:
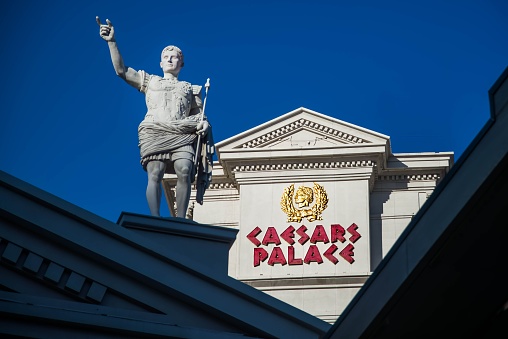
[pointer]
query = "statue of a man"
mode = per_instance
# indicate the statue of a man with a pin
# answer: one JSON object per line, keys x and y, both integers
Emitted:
{"x": 168, "y": 134}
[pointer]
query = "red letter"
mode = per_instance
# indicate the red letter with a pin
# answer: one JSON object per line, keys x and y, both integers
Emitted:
{"x": 313, "y": 255}
{"x": 347, "y": 253}
{"x": 271, "y": 236}
{"x": 319, "y": 234}
{"x": 252, "y": 236}
{"x": 277, "y": 257}
{"x": 337, "y": 233}
{"x": 288, "y": 235}
{"x": 260, "y": 254}
{"x": 291, "y": 257}
{"x": 355, "y": 235}
{"x": 329, "y": 254}
{"x": 303, "y": 236}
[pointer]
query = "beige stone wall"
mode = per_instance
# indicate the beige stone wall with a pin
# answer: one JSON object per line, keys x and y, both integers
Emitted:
{"x": 367, "y": 187}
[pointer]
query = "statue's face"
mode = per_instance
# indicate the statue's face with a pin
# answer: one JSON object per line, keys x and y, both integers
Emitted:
{"x": 303, "y": 198}
{"x": 170, "y": 62}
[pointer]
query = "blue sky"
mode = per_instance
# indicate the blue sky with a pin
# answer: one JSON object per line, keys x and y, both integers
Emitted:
{"x": 417, "y": 71}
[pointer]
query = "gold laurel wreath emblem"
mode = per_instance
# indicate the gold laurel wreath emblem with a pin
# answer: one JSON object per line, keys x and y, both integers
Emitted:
{"x": 313, "y": 213}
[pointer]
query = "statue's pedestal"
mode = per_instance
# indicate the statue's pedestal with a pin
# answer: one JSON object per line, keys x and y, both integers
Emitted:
{"x": 206, "y": 244}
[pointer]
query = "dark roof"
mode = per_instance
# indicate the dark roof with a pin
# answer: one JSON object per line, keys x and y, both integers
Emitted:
{"x": 58, "y": 260}
{"x": 446, "y": 274}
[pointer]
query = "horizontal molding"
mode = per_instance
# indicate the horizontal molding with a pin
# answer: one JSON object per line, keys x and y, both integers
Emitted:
{"x": 221, "y": 185}
{"x": 310, "y": 282}
{"x": 413, "y": 177}
{"x": 391, "y": 217}
{"x": 303, "y": 165}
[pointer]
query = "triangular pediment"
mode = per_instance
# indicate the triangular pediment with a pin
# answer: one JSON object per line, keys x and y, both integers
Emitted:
{"x": 302, "y": 128}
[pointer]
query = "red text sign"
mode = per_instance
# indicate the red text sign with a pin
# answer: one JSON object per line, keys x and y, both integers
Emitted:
{"x": 285, "y": 255}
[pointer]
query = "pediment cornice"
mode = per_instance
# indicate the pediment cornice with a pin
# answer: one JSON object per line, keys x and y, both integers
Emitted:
{"x": 322, "y": 132}
{"x": 300, "y": 128}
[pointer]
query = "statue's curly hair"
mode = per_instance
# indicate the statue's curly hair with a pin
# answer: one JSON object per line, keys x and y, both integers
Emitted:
{"x": 306, "y": 192}
{"x": 173, "y": 48}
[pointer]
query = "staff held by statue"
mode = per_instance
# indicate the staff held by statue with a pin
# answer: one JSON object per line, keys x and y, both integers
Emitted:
{"x": 200, "y": 135}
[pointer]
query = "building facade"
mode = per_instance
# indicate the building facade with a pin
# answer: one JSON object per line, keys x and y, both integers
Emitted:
{"x": 317, "y": 203}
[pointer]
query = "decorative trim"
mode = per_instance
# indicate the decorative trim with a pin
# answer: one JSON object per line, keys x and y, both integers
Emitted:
{"x": 226, "y": 224}
{"x": 307, "y": 282}
{"x": 280, "y": 132}
{"x": 213, "y": 186}
{"x": 412, "y": 177}
{"x": 391, "y": 217}
{"x": 300, "y": 165}
{"x": 221, "y": 185}
{"x": 59, "y": 277}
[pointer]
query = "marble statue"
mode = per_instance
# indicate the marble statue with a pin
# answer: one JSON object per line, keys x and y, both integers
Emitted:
{"x": 172, "y": 127}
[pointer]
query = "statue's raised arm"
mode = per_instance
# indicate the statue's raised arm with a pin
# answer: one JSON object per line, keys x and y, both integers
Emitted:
{"x": 174, "y": 137}
{"x": 131, "y": 76}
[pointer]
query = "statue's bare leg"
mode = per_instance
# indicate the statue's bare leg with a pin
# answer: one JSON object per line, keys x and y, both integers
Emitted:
{"x": 155, "y": 170}
{"x": 183, "y": 169}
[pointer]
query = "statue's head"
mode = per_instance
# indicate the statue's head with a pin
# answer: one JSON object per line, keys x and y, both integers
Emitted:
{"x": 304, "y": 196}
{"x": 171, "y": 60}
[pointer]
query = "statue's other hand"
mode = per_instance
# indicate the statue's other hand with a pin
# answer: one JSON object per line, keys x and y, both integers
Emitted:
{"x": 107, "y": 32}
{"x": 202, "y": 127}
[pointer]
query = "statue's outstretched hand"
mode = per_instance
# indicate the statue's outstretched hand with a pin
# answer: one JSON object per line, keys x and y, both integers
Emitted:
{"x": 107, "y": 32}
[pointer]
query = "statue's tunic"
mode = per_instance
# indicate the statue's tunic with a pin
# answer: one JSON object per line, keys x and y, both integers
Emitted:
{"x": 168, "y": 131}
